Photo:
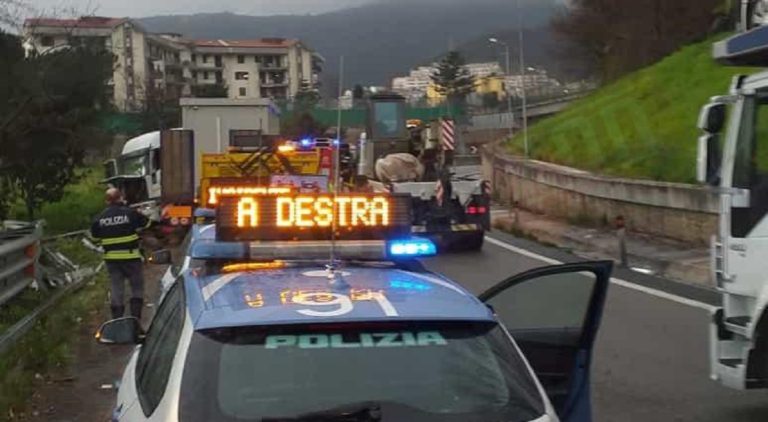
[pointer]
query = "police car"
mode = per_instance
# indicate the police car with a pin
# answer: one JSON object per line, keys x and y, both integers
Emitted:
{"x": 202, "y": 228}
{"x": 262, "y": 328}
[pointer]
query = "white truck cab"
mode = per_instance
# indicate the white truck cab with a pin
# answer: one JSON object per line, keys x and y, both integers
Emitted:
{"x": 733, "y": 158}
{"x": 137, "y": 172}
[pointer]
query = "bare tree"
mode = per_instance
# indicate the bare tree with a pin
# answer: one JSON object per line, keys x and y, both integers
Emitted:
{"x": 619, "y": 36}
{"x": 12, "y": 13}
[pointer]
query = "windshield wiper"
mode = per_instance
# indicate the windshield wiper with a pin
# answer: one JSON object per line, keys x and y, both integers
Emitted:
{"x": 354, "y": 412}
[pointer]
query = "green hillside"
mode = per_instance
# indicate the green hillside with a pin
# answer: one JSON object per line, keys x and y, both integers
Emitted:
{"x": 641, "y": 126}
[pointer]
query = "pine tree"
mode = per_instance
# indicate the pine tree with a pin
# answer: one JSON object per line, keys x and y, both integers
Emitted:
{"x": 452, "y": 79}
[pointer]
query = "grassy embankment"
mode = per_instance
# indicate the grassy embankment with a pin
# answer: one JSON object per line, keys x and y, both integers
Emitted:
{"x": 641, "y": 126}
{"x": 48, "y": 344}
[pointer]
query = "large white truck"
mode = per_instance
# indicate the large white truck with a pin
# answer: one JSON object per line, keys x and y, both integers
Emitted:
{"x": 217, "y": 125}
{"x": 733, "y": 159}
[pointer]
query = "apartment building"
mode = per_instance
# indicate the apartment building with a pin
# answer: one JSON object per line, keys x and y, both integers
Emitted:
{"x": 265, "y": 68}
{"x": 535, "y": 82}
{"x": 489, "y": 78}
{"x": 165, "y": 66}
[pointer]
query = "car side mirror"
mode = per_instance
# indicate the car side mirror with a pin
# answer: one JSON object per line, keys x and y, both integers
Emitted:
{"x": 120, "y": 331}
{"x": 160, "y": 257}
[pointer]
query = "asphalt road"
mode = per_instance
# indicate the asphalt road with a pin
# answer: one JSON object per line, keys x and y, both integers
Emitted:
{"x": 651, "y": 357}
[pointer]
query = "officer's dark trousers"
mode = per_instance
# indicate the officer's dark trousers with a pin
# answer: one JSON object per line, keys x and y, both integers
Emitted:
{"x": 133, "y": 271}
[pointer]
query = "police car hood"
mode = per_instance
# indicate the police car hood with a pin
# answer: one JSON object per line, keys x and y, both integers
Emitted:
{"x": 304, "y": 295}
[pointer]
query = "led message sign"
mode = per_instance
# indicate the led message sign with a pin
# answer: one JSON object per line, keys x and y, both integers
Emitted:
{"x": 293, "y": 216}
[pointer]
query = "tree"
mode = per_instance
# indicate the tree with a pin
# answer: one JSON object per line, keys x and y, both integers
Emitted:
{"x": 160, "y": 109}
{"x": 619, "y": 36}
{"x": 307, "y": 97}
{"x": 52, "y": 103}
{"x": 11, "y": 12}
{"x": 301, "y": 124}
{"x": 358, "y": 93}
{"x": 452, "y": 79}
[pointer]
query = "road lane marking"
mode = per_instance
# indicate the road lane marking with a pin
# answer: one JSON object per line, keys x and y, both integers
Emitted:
{"x": 617, "y": 281}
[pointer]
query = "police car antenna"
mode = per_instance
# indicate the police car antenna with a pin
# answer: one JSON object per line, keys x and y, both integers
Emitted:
{"x": 335, "y": 146}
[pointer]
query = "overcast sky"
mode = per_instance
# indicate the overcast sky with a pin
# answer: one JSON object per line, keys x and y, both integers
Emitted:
{"x": 140, "y": 8}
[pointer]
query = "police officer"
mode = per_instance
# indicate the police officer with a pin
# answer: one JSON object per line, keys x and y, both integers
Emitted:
{"x": 116, "y": 229}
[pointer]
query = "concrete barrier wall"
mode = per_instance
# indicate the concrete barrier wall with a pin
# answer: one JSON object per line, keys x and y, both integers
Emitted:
{"x": 678, "y": 211}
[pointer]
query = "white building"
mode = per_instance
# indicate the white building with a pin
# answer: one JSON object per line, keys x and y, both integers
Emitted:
{"x": 416, "y": 85}
{"x": 264, "y": 68}
{"x": 484, "y": 70}
{"x": 149, "y": 65}
{"x": 535, "y": 81}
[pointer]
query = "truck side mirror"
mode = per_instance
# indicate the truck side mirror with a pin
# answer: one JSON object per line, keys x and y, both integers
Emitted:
{"x": 110, "y": 169}
{"x": 708, "y": 160}
{"x": 712, "y": 118}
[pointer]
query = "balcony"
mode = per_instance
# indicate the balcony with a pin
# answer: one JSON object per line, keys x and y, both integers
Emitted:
{"x": 271, "y": 83}
{"x": 274, "y": 66}
{"x": 205, "y": 66}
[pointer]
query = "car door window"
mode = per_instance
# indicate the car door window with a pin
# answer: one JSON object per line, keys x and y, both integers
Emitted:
{"x": 553, "y": 314}
{"x": 159, "y": 349}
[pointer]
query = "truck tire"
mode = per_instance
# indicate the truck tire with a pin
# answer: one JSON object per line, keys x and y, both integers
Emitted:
{"x": 474, "y": 241}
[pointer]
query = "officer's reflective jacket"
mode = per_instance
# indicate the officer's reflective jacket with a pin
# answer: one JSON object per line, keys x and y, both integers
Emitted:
{"x": 116, "y": 228}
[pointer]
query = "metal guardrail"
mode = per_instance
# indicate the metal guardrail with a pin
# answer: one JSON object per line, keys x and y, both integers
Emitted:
{"x": 25, "y": 258}
{"x": 19, "y": 255}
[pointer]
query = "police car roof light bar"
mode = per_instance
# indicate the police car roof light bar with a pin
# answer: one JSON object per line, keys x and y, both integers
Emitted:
{"x": 310, "y": 250}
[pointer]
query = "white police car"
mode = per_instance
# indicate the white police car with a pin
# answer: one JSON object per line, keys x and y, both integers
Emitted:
{"x": 242, "y": 336}
{"x": 202, "y": 228}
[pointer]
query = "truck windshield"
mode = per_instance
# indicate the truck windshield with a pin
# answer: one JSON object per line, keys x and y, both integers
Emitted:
{"x": 424, "y": 372}
{"x": 389, "y": 119}
{"x": 750, "y": 167}
{"x": 134, "y": 165}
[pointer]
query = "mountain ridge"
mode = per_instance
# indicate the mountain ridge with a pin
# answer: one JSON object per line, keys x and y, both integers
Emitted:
{"x": 378, "y": 40}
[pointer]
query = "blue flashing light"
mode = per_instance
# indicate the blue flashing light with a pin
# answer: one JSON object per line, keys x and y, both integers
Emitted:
{"x": 411, "y": 248}
{"x": 336, "y": 142}
{"x": 306, "y": 143}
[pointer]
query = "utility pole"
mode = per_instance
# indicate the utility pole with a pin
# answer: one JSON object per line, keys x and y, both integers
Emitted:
{"x": 506, "y": 87}
{"x": 522, "y": 75}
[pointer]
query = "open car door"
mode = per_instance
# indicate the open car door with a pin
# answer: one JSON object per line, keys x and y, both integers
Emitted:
{"x": 553, "y": 314}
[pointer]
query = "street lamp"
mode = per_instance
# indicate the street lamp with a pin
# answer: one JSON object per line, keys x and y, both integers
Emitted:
{"x": 506, "y": 87}
{"x": 522, "y": 76}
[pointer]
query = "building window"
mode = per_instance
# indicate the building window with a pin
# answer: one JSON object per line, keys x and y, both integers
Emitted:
{"x": 241, "y": 76}
{"x": 194, "y": 74}
{"x": 205, "y": 75}
{"x": 241, "y": 59}
{"x": 242, "y": 92}
{"x": 194, "y": 58}
{"x": 219, "y": 77}
{"x": 46, "y": 41}
{"x": 217, "y": 60}
{"x": 205, "y": 58}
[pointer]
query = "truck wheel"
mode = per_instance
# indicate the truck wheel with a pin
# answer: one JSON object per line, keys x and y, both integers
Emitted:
{"x": 474, "y": 241}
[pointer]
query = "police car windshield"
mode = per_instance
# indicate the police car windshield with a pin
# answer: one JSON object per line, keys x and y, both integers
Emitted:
{"x": 411, "y": 371}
